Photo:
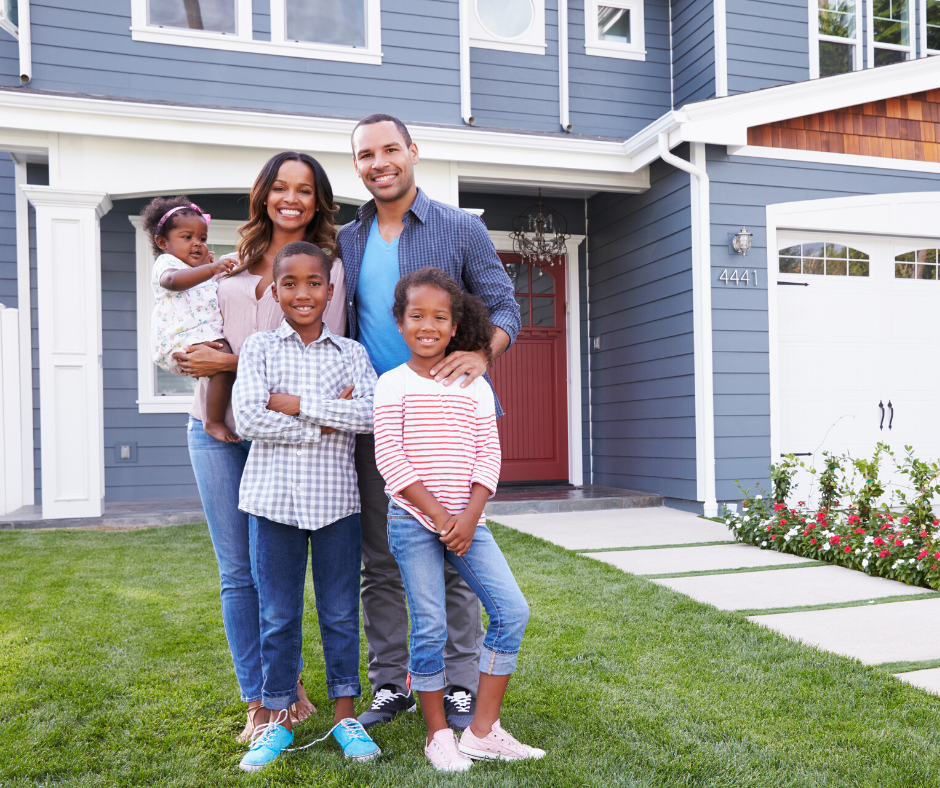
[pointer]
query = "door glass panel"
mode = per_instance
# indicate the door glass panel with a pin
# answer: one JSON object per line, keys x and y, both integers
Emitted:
{"x": 835, "y": 267}
{"x": 790, "y": 265}
{"x": 523, "y": 302}
{"x": 813, "y": 250}
{"x": 217, "y": 16}
{"x": 858, "y": 267}
{"x": 519, "y": 276}
{"x": 903, "y": 270}
{"x": 926, "y": 271}
{"x": 791, "y": 251}
{"x": 927, "y": 256}
{"x": 836, "y": 251}
{"x": 542, "y": 282}
{"x": 543, "y": 312}
{"x": 813, "y": 265}
{"x": 340, "y": 22}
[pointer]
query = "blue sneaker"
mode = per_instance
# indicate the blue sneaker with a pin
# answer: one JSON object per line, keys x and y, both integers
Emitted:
{"x": 270, "y": 742}
{"x": 354, "y": 740}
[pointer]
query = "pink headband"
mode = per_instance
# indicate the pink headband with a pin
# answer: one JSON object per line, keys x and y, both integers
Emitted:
{"x": 192, "y": 206}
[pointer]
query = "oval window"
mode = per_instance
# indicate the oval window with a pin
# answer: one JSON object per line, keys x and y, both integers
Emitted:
{"x": 506, "y": 18}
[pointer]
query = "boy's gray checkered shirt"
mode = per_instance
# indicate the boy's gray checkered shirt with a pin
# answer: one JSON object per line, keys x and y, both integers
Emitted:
{"x": 295, "y": 475}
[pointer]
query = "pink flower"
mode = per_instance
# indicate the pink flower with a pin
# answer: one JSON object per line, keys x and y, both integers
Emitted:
{"x": 769, "y": 527}
{"x": 854, "y": 518}
{"x": 899, "y": 543}
{"x": 848, "y": 549}
{"x": 878, "y": 541}
{"x": 905, "y": 520}
{"x": 859, "y": 531}
{"x": 835, "y": 539}
{"x": 922, "y": 555}
{"x": 936, "y": 555}
{"x": 812, "y": 541}
{"x": 783, "y": 522}
{"x": 923, "y": 533}
{"x": 802, "y": 502}
{"x": 936, "y": 522}
{"x": 779, "y": 506}
{"x": 774, "y": 536}
{"x": 884, "y": 553}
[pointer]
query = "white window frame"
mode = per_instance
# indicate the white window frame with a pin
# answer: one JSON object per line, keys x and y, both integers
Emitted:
{"x": 815, "y": 38}
{"x": 221, "y": 231}
{"x": 531, "y": 42}
{"x": 922, "y": 22}
{"x": 872, "y": 45}
{"x": 242, "y": 40}
{"x": 7, "y": 24}
{"x": 635, "y": 50}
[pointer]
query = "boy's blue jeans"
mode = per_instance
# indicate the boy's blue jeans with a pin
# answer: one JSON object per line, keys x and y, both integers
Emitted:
{"x": 420, "y": 555}
{"x": 280, "y": 559}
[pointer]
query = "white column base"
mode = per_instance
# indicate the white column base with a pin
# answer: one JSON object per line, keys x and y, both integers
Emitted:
{"x": 71, "y": 393}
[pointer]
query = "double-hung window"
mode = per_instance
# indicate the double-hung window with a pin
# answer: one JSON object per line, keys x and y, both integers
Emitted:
{"x": 9, "y": 17}
{"x": 837, "y": 45}
{"x": 345, "y": 30}
{"x": 889, "y": 31}
{"x": 614, "y": 28}
{"x": 930, "y": 27}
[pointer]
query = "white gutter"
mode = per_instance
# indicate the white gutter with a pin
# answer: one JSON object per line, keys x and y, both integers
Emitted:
{"x": 464, "y": 9}
{"x": 563, "y": 65}
{"x": 26, "y": 42}
{"x": 702, "y": 320}
{"x": 721, "y": 49}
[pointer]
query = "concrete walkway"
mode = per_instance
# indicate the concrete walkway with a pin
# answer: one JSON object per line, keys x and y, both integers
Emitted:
{"x": 877, "y": 621}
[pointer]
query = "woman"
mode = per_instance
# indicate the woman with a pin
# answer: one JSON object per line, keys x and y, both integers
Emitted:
{"x": 291, "y": 200}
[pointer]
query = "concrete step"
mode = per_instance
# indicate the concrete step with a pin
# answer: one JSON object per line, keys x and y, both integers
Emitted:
{"x": 587, "y": 498}
{"x": 135, "y": 514}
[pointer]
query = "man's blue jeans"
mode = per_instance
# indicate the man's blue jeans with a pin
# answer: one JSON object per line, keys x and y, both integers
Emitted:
{"x": 280, "y": 559}
{"x": 421, "y": 555}
{"x": 218, "y": 468}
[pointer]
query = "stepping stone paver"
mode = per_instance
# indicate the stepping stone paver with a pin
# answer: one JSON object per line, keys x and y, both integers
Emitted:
{"x": 893, "y": 632}
{"x": 618, "y": 528}
{"x": 925, "y": 679}
{"x": 818, "y": 585}
{"x": 696, "y": 559}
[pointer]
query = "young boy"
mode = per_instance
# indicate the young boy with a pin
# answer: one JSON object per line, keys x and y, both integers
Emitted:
{"x": 300, "y": 395}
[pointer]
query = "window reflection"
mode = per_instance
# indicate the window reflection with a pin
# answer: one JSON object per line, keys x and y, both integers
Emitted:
{"x": 543, "y": 283}
{"x": 340, "y": 22}
{"x": 543, "y": 312}
{"x": 523, "y": 302}
{"x": 217, "y": 16}
{"x": 823, "y": 258}
{"x": 519, "y": 276}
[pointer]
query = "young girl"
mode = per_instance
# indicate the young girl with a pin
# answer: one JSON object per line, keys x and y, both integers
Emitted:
{"x": 187, "y": 309}
{"x": 438, "y": 451}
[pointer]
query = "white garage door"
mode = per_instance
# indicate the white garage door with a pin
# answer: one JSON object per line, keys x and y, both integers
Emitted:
{"x": 859, "y": 338}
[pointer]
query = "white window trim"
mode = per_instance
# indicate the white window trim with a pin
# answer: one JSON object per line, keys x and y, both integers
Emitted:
{"x": 6, "y": 24}
{"x": 872, "y": 45}
{"x": 815, "y": 38}
{"x": 636, "y": 50}
{"x": 922, "y": 21}
{"x": 221, "y": 231}
{"x": 531, "y": 42}
{"x": 242, "y": 40}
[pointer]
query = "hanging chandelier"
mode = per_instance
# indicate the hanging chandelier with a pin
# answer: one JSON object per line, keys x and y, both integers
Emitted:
{"x": 539, "y": 236}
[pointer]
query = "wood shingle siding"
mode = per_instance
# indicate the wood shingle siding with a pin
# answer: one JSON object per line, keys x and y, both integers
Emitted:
{"x": 907, "y": 127}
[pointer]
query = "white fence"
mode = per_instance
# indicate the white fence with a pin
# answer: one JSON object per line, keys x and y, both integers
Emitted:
{"x": 11, "y": 423}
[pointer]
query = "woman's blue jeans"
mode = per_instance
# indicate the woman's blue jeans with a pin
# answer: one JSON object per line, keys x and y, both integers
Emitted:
{"x": 420, "y": 555}
{"x": 218, "y": 468}
{"x": 280, "y": 560}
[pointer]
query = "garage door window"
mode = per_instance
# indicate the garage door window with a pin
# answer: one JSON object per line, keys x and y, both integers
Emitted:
{"x": 920, "y": 264}
{"x": 823, "y": 259}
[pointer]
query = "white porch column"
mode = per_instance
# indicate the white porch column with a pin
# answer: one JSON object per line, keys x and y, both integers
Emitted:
{"x": 68, "y": 248}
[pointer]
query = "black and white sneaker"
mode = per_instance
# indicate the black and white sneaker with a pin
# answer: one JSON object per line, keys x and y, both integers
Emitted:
{"x": 459, "y": 706}
{"x": 386, "y": 704}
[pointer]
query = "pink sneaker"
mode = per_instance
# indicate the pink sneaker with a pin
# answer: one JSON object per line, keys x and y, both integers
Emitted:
{"x": 443, "y": 754}
{"x": 496, "y": 745}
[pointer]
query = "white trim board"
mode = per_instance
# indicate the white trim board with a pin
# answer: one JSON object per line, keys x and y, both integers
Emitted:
{"x": 839, "y": 159}
{"x": 909, "y": 214}
{"x": 502, "y": 240}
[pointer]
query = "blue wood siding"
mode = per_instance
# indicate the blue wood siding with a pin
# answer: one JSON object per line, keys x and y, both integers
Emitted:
{"x": 741, "y": 188}
{"x": 693, "y": 51}
{"x": 8, "y": 295}
{"x": 641, "y": 308}
{"x": 768, "y": 43}
{"x": 614, "y": 97}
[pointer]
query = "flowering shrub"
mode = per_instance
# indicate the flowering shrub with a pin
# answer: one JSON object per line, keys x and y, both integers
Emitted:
{"x": 900, "y": 545}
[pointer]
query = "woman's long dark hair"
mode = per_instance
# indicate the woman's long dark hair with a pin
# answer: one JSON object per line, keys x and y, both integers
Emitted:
{"x": 474, "y": 327}
{"x": 255, "y": 235}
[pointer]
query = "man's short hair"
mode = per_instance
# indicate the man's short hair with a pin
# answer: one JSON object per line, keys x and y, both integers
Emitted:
{"x": 301, "y": 247}
{"x": 379, "y": 117}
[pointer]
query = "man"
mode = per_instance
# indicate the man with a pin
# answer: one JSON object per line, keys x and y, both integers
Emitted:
{"x": 399, "y": 231}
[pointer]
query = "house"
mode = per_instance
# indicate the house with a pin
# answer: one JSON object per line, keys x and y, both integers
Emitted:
{"x": 656, "y": 358}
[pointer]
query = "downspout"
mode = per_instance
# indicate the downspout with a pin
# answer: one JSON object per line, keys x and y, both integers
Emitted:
{"x": 464, "y": 9}
{"x": 26, "y": 42}
{"x": 720, "y": 17}
{"x": 702, "y": 320}
{"x": 563, "y": 65}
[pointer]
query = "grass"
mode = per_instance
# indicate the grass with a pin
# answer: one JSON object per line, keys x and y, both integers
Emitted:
{"x": 114, "y": 671}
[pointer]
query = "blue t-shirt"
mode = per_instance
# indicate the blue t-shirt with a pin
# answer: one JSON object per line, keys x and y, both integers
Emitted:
{"x": 375, "y": 294}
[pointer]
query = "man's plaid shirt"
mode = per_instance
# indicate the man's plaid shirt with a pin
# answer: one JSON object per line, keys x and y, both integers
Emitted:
{"x": 444, "y": 237}
{"x": 295, "y": 475}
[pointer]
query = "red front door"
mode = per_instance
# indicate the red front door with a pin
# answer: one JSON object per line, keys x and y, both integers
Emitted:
{"x": 531, "y": 377}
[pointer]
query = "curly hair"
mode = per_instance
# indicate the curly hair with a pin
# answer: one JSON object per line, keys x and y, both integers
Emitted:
{"x": 301, "y": 247}
{"x": 156, "y": 209}
{"x": 470, "y": 314}
{"x": 255, "y": 235}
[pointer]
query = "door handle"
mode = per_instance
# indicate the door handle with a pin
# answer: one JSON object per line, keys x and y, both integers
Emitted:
{"x": 882, "y": 406}
{"x": 891, "y": 420}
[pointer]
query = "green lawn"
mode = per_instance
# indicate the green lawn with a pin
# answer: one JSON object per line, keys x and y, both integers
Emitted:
{"x": 114, "y": 671}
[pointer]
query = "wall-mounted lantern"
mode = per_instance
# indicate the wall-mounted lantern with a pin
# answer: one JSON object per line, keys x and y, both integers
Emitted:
{"x": 742, "y": 242}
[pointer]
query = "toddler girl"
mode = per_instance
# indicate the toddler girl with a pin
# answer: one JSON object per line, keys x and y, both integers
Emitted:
{"x": 187, "y": 309}
{"x": 438, "y": 451}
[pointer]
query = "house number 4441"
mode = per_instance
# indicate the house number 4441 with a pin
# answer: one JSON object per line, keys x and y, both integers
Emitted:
{"x": 744, "y": 277}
